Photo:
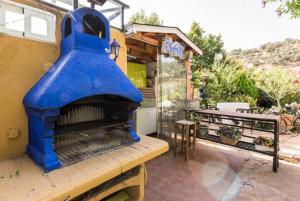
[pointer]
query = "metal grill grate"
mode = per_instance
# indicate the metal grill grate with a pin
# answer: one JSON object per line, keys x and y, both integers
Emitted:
{"x": 74, "y": 145}
{"x": 88, "y": 148}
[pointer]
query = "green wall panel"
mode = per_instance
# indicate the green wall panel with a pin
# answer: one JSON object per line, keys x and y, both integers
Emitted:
{"x": 137, "y": 74}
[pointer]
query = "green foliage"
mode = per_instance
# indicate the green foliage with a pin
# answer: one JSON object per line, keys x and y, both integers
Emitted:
{"x": 294, "y": 97}
{"x": 209, "y": 44}
{"x": 291, "y": 7}
{"x": 264, "y": 141}
{"x": 141, "y": 18}
{"x": 230, "y": 82}
{"x": 277, "y": 83}
{"x": 245, "y": 85}
{"x": 196, "y": 79}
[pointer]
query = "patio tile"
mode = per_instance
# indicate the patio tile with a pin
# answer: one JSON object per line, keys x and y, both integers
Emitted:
{"x": 149, "y": 195}
{"x": 221, "y": 173}
{"x": 207, "y": 176}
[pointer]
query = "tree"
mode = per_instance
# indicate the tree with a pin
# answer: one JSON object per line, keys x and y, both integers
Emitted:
{"x": 141, "y": 18}
{"x": 229, "y": 81}
{"x": 209, "y": 44}
{"x": 277, "y": 83}
{"x": 291, "y": 7}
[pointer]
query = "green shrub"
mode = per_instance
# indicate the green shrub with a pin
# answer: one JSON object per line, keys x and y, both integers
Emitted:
{"x": 230, "y": 82}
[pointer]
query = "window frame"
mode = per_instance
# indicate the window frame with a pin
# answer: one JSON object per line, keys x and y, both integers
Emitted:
{"x": 28, "y": 12}
{"x": 116, "y": 12}
{"x": 3, "y": 9}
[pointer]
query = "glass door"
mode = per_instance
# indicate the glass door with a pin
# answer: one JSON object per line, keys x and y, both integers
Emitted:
{"x": 172, "y": 86}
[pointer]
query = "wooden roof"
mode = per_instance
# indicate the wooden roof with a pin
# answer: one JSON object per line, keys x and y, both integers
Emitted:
{"x": 153, "y": 35}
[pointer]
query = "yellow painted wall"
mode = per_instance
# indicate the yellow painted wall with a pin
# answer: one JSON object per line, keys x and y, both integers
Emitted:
{"x": 137, "y": 74}
{"x": 22, "y": 63}
{"x": 120, "y": 37}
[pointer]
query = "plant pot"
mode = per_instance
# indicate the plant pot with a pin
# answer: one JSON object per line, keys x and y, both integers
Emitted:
{"x": 287, "y": 121}
{"x": 203, "y": 131}
{"x": 263, "y": 148}
{"x": 229, "y": 141}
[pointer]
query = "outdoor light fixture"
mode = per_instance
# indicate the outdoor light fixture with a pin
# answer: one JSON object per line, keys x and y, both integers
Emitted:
{"x": 218, "y": 56}
{"x": 114, "y": 49}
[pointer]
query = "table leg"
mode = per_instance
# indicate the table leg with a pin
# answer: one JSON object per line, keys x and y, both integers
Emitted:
{"x": 189, "y": 137}
{"x": 186, "y": 144}
{"x": 194, "y": 140}
{"x": 275, "y": 157}
{"x": 182, "y": 137}
{"x": 175, "y": 140}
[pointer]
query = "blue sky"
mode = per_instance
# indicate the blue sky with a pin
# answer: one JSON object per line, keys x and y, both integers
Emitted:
{"x": 242, "y": 23}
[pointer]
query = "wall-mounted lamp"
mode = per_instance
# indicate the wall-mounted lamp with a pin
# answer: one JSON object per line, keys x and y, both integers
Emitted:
{"x": 115, "y": 49}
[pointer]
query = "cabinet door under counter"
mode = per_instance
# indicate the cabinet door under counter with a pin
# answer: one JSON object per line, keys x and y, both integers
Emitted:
{"x": 145, "y": 120}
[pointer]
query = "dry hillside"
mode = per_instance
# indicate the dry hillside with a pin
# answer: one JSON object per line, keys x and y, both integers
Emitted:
{"x": 285, "y": 54}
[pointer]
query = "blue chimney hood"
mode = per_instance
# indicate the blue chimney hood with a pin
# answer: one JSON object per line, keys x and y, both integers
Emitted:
{"x": 83, "y": 69}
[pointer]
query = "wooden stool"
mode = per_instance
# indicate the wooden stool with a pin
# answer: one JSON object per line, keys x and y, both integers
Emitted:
{"x": 186, "y": 128}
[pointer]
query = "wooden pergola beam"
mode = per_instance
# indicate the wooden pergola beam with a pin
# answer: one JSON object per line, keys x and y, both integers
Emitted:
{"x": 141, "y": 37}
{"x": 146, "y": 49}
{"x": 139, "y": 54}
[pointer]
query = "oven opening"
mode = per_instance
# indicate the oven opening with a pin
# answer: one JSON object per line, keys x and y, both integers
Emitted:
{"x": 92, "y": 126}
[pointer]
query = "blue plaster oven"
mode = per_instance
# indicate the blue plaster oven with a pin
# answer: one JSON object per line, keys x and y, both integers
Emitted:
{"x": 83, "y": 71}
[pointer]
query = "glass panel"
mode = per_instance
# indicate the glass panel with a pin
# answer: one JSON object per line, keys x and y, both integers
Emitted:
{"x": 14, "y": 20}
{"x": 39, "y": 26}
{"x": 172, "y": 93}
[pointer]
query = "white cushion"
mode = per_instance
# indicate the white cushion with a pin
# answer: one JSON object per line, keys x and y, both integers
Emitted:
{"x": 231, "y": 107}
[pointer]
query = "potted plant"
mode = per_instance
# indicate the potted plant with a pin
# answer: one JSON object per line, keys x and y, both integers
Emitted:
{"x": 229, "y": 135}
{"x": 202, "y": 130}
{"x": 264, "y": 144}
{"x": 290, "y": 116}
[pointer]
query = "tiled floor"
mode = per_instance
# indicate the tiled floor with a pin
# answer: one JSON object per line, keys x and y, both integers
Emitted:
{"x": 205, "y": 177}
{"x": 221, "y": 173}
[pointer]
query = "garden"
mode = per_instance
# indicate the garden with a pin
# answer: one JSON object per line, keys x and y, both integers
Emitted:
{"x": 219, "y": 76}
{"x": 272, "y": 91}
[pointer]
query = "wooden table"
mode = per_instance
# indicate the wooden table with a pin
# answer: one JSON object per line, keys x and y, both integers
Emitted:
{"x": 22, "y": 179}
{"x": 208, "y": 116}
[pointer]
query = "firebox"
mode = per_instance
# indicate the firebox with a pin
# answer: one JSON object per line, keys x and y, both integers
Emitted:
{"x": 83, "y": 105}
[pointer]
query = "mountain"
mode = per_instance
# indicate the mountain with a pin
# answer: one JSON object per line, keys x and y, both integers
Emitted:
{"x": 284, "y": 54}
